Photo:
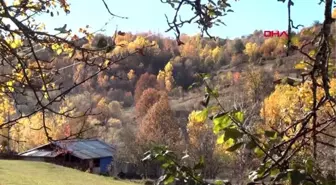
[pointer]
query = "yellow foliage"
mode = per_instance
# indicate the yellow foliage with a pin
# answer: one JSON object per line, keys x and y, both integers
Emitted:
{"x": 166, "y": 76}
{"x": 206, "y": 51}
{"x": 251, "y": 49}
{"x": 189, "y": 49}
{"x": 161, "y": 75}
{"x": 295, "y": 41}
{"x": 139, "y": 42}
{"x": 334, "y": 13}
{"x": 196, "y": 128}
{"x": 131, "y": 74}
{"x": 6, "y": 108}
{"x": 269, "y": 46}
{"x": 215, "y": 53}
{"x": 288, "y": 104}
{"x": 14, "y": 41}
{"x": 168, "y": 67}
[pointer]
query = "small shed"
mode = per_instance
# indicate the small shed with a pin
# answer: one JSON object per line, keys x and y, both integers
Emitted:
{"x": 84, "y": 154}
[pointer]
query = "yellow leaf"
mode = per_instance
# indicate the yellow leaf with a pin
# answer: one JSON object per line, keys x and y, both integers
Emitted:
{"x": 295, "y": 40}
{"x": 311, "y": 53}
{"x": 46, "y": 95}
{"x": 229, "y": 143}
{"x": 28, "y": 72}
{"x": 334, "y": 13}
{"x": 16, "y": 2}
{"x": 302, "y": 65}
{"x": 106, "y": 62}
{"x": 220, "y": 139}
{"x": 54, "y": 46}
{"x": 9, "y": 83}
{"x": 16, "y": 43}
{"x": 59, "y": 51}
{"x": 201, "y": 116}
{"x": 168, "y": 67}
{"x": 41, "y": 27}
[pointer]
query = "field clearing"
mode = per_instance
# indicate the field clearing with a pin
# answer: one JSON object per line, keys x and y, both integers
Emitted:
{"x": 14, "y": 172}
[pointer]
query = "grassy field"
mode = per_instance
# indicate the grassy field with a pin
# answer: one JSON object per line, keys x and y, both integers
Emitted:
{"x": 39, "y": 173}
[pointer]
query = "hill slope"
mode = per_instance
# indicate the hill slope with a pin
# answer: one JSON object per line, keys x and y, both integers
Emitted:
{"x": 39, "y": 173}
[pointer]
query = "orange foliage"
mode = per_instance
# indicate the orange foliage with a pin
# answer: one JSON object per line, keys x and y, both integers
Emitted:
{"x": 148, "y": 98}
{"x": 159, "y": 125}
{"x": 268, "y": 47}
{"x": 236, "y": 77}
{"x": 145, "y": 81}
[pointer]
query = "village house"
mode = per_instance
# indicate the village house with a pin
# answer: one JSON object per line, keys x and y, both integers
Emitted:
{"x": 83, "y": 154}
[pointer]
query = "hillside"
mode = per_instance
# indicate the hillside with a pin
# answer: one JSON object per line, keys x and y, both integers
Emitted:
{"x": 112, "y": 94}
{"x": 39, "y": 173}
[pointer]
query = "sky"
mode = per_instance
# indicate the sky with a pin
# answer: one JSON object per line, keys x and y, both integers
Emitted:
{"x": 149, "y": 15}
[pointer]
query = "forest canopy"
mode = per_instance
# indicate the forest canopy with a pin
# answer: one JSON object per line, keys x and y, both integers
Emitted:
{"x": 267, "y": 113}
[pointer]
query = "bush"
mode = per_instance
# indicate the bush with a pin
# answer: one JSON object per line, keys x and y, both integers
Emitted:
{"x": 237, "y": 59}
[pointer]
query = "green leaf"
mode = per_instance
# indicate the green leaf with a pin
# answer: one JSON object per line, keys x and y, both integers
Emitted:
{"x": 235, "y": 147}
{"x": 201, "y": 116}
{"x": 251, "y": 145}
{"x": 271, "y": 134}
{"x": 169, "y": 179}
{"x": 200, "y": 164}
{"x": 296, "y": 176}
{"x": 219, "y": 182}
{"x": 239, "y": 116}
{"x": 309, "y": 165}
{"x": 220, "y": 139}
{"x": 232, "y": 133}
{"x": 258, "y": 152}
{"x": 172, "y": 5}
{"x": 206, "y": 100}
{"x": 165, "y": 165}
{"x": 218, "y": 13}
{"x": 211, "y": 13}
{"x": 193, "y": 85}
{"x": 229, "y": 143}
{"x": 214, "y": 93}
{"x": 274, "y": 172}
{"x": 221, "y": 122}
{"x": 280, "y": 176}
{"x": 205, "y": 76}
{"x": 207, "y": 90}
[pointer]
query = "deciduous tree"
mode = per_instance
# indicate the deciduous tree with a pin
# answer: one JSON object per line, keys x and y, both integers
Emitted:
{"x": 148, "y": 98}
{"x": 159, "y": 125}
{"x": 145, "y": 81}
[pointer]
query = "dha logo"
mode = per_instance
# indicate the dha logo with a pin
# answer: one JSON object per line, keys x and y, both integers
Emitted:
{"x": 276, "y": 33}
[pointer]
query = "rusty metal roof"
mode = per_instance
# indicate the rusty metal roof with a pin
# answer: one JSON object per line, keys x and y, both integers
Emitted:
{"x": 83, "y": 149}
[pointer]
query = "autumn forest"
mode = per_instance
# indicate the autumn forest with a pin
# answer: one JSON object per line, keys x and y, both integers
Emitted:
{"x": 250, "y": 109}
